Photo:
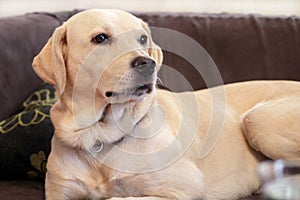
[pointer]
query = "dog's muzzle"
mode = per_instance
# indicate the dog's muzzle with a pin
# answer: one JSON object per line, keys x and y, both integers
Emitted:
{"x": 144, "y": 69}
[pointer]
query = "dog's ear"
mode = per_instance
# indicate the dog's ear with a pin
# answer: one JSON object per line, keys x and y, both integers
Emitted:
{"x": 156, "y": 53}
{"x": 49, "y": 64}
{"x": 154, "y": 50}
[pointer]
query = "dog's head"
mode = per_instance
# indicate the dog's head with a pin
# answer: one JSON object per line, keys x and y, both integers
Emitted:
{"x": 108, "y": 51}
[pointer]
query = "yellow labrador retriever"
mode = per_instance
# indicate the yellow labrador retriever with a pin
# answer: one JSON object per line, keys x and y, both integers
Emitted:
{"x": 117, "y": 136}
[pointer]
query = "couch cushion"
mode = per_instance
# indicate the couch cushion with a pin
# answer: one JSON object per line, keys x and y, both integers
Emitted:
{"x": 21, "y": 190}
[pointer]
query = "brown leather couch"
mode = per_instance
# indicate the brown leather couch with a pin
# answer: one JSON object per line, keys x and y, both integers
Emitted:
{"x": 243, "y": 47}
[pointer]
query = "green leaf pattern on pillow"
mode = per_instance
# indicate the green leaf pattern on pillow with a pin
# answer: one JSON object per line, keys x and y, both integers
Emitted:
{"x": 38, "y": 161}
{"x": 35, "y": 101}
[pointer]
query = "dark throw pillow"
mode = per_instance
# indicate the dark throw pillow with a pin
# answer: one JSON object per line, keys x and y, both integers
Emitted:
{"x": 25, "y": 137}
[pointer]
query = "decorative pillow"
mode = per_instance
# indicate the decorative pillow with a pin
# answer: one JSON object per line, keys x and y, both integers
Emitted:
{"x": 25, "y": 137}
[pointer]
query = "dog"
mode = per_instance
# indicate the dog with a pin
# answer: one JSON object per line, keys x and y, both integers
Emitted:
{"x": 119, "y": 137}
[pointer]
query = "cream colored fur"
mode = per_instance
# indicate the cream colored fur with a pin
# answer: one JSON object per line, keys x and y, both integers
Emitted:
{"x": 261, "y": 119}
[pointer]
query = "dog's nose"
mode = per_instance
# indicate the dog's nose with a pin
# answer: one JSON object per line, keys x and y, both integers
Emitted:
{"x": 144, "y": 65}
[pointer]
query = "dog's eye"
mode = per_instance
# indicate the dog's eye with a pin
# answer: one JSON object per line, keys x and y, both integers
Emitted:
{"x": 100, "y": 38}
{"x": 144, "y": 39}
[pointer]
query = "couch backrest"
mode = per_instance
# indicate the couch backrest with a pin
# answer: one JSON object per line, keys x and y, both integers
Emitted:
{"x": 243, "y": 47}
{"x": 21, "y": 38}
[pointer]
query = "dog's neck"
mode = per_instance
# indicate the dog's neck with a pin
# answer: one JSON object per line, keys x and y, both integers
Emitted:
{"x": 78, "y": 129}
{"x": 120, "y": 119}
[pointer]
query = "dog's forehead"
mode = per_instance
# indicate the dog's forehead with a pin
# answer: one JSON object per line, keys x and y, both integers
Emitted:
{"x": 104, "y": 19}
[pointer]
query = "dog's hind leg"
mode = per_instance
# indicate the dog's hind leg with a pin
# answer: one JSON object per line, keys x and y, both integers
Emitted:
{"x": 273, "y": 128}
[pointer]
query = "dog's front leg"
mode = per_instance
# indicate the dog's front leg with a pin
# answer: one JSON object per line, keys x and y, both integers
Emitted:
{"x": 138, "y": 198}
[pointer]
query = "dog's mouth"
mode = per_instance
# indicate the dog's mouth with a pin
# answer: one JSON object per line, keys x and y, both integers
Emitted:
{"x": 134, "y": 92}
